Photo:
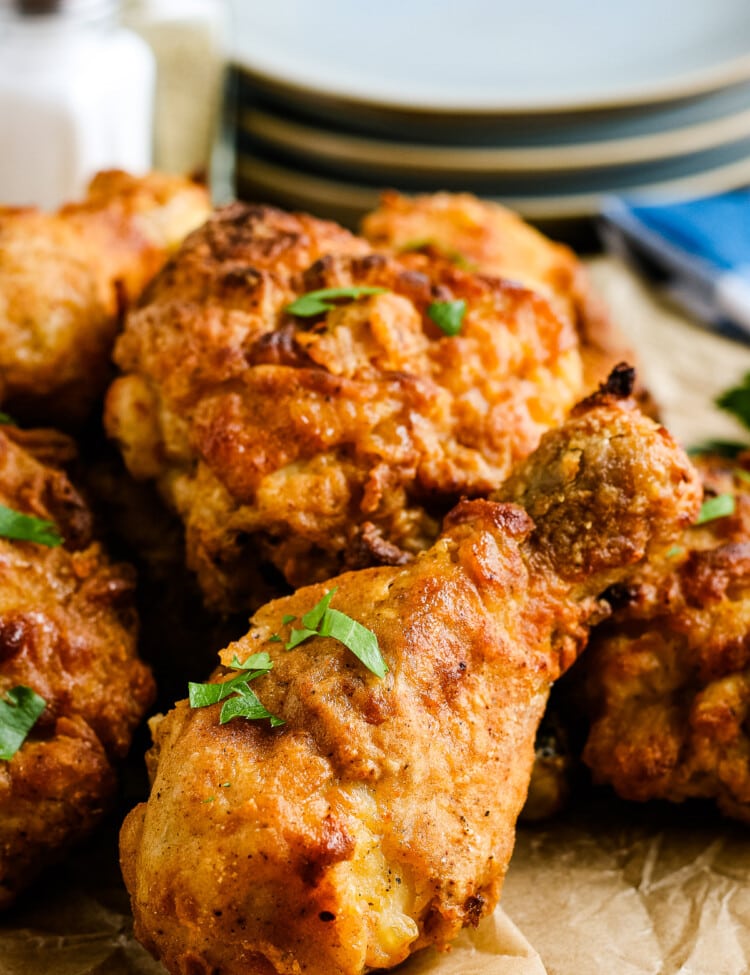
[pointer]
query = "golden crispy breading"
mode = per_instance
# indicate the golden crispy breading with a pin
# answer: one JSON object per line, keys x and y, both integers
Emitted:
{"x": 318, "y": 443}
{"x": 66, "y": 277}
{"x": 667, "y": 680}
{"x": 68, "y": 631}
{"x": 380, "y": 817}
{"x": 497, "y": 241}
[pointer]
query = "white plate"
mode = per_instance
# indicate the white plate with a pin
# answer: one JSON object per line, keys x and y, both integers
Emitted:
{"x": 393, "y": 157}
{"x": 348, "y": 202}
{"x": 497, "y": 55}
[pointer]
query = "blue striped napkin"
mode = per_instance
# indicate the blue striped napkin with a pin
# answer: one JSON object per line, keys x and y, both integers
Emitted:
{"x": 698, "y": 252}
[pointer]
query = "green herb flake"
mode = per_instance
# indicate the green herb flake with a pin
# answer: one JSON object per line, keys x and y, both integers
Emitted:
{"x": 316, "y": 303}
{"x": 299, "y": 636}
{"x": 674, "y": 551}
{"x": 210, "y": 799}
{"x": 274, "y": 638}
{"x": 225, "y": 785}
{"x": 737, "y": 401}
{"x": 321, "y": 620}
{"x": 312, "y": 619}
{"x": 718, "y": 507}
{"x": 447, "y": 315}
{"x": 239, "y": 700}
{"x": 287, "y": 618}
{"x": 742, "y": 475}
{"x": 20, "y": 708}
{"x": 27, "y": 528}
{"x": 7, "y": 420}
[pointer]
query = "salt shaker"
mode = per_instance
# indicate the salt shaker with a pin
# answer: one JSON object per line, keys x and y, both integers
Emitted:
{"x": 187, "y": 37}
{"x": 76, "y": 96}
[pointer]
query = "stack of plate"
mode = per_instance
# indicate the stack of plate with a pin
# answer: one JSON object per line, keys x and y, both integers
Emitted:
{"x": 545, "y": 106}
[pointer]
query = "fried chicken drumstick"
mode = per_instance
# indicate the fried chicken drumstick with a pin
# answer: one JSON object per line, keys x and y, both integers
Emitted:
{"x": 667, "y": 679}
{"x": 66, "y": 277}
{"x": 67, "y": 632}
{"x": 380, "y": 817}
{"x": 337, "y": 439}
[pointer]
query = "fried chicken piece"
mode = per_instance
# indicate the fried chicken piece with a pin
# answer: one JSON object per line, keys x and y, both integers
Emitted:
{"x": 667, "y": 680}
{"x": 66, "y": 278}
{"x": 68, "y": 631}
{"x": 314, "y": 444}
{"x": 497, "y": 241}
{"x": 380, "y": 817}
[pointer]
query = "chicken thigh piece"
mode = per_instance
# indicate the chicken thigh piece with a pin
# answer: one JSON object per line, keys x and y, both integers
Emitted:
{"x": 312, "y": 437}
{"x": 67, "y": 277}
{"x": 666, "y": 681}
{"x": 68, "y": 632}
{"x": 379, "y": 817}
{"x": 494, "y": 240}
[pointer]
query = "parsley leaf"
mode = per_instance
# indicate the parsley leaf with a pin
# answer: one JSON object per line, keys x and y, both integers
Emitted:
{"x": 362, "y": 642}
{"x": 448, "y": 315}
{"x": 737, "y": 400}
{"x": 27, "y": 528}
{"x": 717, "y": 507}
{"x": 239, "y": 700}
{"x": 319, "y": 302}
{"x": 312, "y": 619}
{"x": 321, "y": 620}
{"x": 6, "y": 420}
{"x": 20, "y": 709}
{"x": 288, "y": 618}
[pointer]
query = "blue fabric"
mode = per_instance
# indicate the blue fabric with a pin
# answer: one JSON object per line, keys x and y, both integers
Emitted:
{"x": 716, "y": 229}
{"x": 693, "y": 251}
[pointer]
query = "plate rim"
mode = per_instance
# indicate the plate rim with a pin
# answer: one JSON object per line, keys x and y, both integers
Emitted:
{"x": 689, "y": 85}
{"x": 409, "y": 157}
{"x": 567, "y": 206}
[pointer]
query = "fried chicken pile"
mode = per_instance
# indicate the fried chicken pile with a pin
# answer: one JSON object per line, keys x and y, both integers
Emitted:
{"x": 67, "y": 631}
{"x": 667, "y": 679}
{"x": 312, "y": 444}
{"x": 379, "y": 818}
{"x": 67, "y": 277}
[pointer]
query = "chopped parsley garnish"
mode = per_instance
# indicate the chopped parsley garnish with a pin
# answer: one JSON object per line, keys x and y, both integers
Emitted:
{"x": 20, "y": 708}
{"x": 27, "y": 528}
{"x": 6, "y": 419}
{"x": 448, "y": 315}
{"x": 321, "y": 620}
{"x": 737, "y": 400}
{"x": 319, "y": 302}
{"x": 239, "y": 700}
{"x": 288, "y": 618}
{"x": 718, "y": 507}
{"x": 674, "y": 551}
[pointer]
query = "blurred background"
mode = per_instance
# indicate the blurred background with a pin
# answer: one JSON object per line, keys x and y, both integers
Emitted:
{"x": 554, "y": 109}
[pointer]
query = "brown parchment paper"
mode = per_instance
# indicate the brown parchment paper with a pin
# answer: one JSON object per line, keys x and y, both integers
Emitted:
{"x": 608, "y": 889}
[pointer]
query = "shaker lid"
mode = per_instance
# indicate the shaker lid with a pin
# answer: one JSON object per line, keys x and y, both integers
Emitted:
{"x": 74, "y": 8}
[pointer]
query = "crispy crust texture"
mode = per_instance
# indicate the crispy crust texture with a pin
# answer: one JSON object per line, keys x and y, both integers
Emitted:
{"x": 380, "y": 817}
{"x": 67, "y": 630}
{"x": 66, "y": 279}
{"x": 316, "y": 444}
{"x": 667, "y": 680}
{"x": 497, "y": 241}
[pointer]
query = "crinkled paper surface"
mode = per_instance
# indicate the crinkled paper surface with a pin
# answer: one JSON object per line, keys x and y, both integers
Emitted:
{"x": 608, "y": 889}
